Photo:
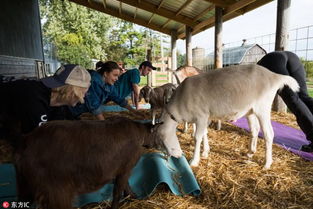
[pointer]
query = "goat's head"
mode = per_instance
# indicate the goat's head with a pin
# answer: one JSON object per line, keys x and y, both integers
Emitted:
{"x": 168, "y": 94}
{"x": 153, "y": 140}
{"x": 145, "y": 93}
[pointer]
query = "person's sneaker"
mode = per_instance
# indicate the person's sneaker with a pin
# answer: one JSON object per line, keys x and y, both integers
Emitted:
{"x": 307, "y": 148}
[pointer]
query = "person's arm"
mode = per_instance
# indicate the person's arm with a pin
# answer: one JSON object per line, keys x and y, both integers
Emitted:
{"x": 136, "y": 91}
{"x": 136, "y": 113}
{"x": 133, "y": 98}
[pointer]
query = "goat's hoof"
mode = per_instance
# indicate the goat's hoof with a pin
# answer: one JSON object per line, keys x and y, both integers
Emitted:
{"x": 205, "y": 155}
{"x": 194, "y": 163}
{"x": 266, "y": 166}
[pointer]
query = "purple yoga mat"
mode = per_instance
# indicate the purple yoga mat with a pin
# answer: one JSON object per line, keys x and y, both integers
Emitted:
{"x": 287, "y": 137}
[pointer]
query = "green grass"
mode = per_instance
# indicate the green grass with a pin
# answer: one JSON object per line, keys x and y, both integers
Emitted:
{"x": 143, "y": 80}
{"x": 310, "y": 92}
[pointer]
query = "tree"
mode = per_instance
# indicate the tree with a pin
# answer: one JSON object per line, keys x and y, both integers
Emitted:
{"x": 78, "y": 33}
{"x": 181, "y": 59}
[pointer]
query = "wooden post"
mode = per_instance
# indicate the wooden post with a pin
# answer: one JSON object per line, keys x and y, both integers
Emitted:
{"x": 281, "y": 42}
{"x": 174, "y": 50}
{"x": 282, "y": 25}
{"x": 173, "y": 54}
{"x": 149, "y": 58}
{"x": 218, "y": 45}
{"x": 188, "y": 46}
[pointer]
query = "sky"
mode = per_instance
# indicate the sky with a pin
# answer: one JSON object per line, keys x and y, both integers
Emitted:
{"x": 261, "y": 21}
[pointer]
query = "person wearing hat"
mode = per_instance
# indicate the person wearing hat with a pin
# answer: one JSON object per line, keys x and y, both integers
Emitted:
{"x": 26, "y": 104}
{"x": 101, "y": 91}
{"x": 300, "y": 103}
{"x": 129, "y": 81}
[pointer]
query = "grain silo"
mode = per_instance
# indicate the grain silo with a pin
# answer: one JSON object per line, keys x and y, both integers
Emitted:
{"x": 198, "y": 57}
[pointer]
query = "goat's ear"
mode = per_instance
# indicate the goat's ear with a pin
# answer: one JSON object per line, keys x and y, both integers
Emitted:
{"x": 149, "y": 92}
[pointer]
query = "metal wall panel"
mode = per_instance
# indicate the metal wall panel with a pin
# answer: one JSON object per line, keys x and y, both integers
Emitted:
{"x": 20, "y": 38}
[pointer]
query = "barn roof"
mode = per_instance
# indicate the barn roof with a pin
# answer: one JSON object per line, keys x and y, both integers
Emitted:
{"x": 172, "y": 15}
{"x": 235, "y": 55}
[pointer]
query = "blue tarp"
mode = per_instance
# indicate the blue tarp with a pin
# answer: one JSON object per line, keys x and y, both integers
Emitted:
{"x": 151, "y": 170}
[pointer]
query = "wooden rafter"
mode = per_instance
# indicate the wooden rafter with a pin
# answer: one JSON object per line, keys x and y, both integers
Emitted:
{"x": 183, "y": 7}
{"x": 135, "y": 13}
{"x": 238, "y": 5}
{"x": 161, "y": 3}
{"x": 120, "y": 8}
{"x": 219, "y": 3}
{"x": 198, "y": 22}
{"x": 204, "y": 12}
{"x": 150, "y": 19}
{"x": 104, "y": 2}
{"x": 99, "y": 7}
{"x": 144, "y": 5}
{"x": 166, "y": 23}
{"x": 242, "y": 6}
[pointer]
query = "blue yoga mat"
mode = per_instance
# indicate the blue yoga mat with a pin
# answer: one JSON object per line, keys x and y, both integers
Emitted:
{"x": 151, "y": 170}
{"x": 116, "y": 108}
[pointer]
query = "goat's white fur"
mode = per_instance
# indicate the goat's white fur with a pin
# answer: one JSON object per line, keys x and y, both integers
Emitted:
{"x": 224, "y": 94}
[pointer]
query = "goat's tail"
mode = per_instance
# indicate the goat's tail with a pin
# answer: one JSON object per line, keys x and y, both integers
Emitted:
{"x": 290, "y": 82}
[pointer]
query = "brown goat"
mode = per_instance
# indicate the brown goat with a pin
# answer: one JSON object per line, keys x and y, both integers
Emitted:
{"x": 61, "y": 159}
{"x": 158, "y": 97}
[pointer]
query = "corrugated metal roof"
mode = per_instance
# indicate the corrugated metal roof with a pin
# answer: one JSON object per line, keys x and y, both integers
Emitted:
{"x": 172, "y": 15}
{"x": 235, "y": 55}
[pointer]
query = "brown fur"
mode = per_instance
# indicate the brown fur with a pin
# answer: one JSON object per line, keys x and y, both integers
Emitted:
{"x": 64, "y": 158}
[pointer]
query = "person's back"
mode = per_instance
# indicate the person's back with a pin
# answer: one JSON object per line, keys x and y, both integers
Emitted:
{"x": 26, "y": 104}
{"x": 124, "y": 84}
{"x": 22, "y": 99}
{"x": 300, "y": 104}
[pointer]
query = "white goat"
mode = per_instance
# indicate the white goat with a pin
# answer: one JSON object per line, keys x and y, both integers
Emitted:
{"x": 157, "y": 97}
{"x": 181, "y": 74}
{"x": 224, "y": 94}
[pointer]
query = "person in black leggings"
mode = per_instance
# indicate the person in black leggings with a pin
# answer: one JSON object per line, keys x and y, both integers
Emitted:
{"x": 300, "y": 103}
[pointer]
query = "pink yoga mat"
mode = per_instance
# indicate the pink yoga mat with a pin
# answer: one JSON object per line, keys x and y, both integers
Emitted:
{"x": 287, "y": 137}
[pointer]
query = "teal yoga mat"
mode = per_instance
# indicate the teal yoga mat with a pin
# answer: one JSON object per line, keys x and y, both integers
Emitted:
{"x": 151, "y": 170}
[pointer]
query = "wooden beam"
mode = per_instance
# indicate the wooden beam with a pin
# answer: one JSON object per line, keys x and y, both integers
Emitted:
{"x": 174, "y": 50}
{"x": 135, "y": 13}
{"x": 150, "y": 18}
{"x": 183, "y": 7}
{"x": 161, "y": 3}
{"x": 238, "y": 5}
{"x": 104, "y": 2}
{"x": 218, "y": 48}
{"x": 166, "y": 23}
{"x": 227, "y": 16}
{"x": 144, "y": 5}
{"x": 99, "y": 7}
{"x": 188, "y": 46}
{"x": 204, "y": 12}
{"x": 219, "y": 3}
{"x": 120, "y": 8}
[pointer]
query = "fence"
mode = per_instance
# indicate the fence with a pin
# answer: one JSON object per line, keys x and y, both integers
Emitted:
{"x": 300, "y": 42}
